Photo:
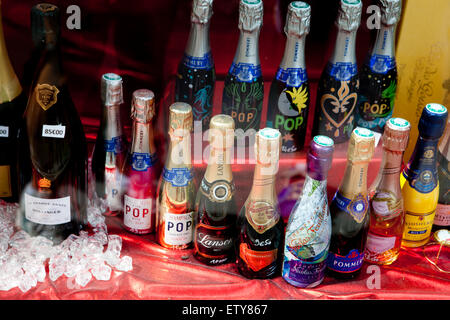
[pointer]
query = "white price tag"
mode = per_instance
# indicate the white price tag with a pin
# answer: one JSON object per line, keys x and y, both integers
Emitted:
{"x": 4, "y": 132}
{"x": 57, "y": 131}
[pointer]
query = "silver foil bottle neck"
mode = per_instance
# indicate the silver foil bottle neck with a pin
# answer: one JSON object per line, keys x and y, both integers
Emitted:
{"x": 201, "y": 11}
{"x": 391, "y": 11}
{"x": 250, "y": 15}
{"x": 111, "y": 89}
{"x": 349, "y": 16}
{"x": 298, "y": 19}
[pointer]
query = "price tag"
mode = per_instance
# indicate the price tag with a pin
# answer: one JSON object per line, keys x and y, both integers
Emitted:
{"x": 50, "y": 131}
{"x": 4, "y": 132}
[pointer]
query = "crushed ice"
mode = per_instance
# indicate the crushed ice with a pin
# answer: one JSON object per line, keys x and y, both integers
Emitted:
{"x": 23, "y": 259}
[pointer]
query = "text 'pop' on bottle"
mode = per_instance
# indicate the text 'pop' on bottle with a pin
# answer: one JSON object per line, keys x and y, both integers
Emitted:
{"x": 308, "y": 231}
{"x": 111, "y": 146}
{"x": 176, "y": 191}
{"x": 12, "y": 106}
{"x": 289, "y": 93}
{"x": 140, "y": 172}
{"x": 54, "y": 203}
{"x": 378, "y": 77}
{"x": 260, "y": 226}
{"x": 243, "y": 91}
{"x": 350, "y": 211}
{"x": 419, "y": 181}
{"x": 386, "y": 201}
{"x": 215, "y": 204}
{"x": 337, "y": 93}
{"x": 196, "y": 73}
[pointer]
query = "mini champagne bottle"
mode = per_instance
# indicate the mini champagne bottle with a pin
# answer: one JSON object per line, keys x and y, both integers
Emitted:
{"x": 243, "y": 91}
{"x": 289, "y": 93}
{"x": 337, "y": 93}
{"x": 196, "y": 73}
{"x": 442, "y": 216}
{"x": 378, "y": 77}
{"x": 386, "y": 201}
{"x": 350, "y": 211}
{"x": 111, "y": 146}
{"x": 176, "y": 191}
{"x": 308, "y": 231}
{"x": 216, "y": 211}
{"x": 419, "y": 181}
{"x": 260, "y": 240}
{"x": 140, "y": 171}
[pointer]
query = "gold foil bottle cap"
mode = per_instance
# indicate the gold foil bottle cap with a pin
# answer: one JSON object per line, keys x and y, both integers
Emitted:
{"x": 250, "y": 15}
{"x": 143, "y": 105}
{"x": 298, "y": 19}
{"x": 201, "y": 11}
{"x": 180, "y": 119}
{"x": 391, "y": 11}
{"x": 349, "y": 16}
{"x": 111, "y": 89}
{"x": 396, "y": 134}
{"x": 361, "y": 146}
{"x": 268, "y": 148}
{"x": 221, "y": 131}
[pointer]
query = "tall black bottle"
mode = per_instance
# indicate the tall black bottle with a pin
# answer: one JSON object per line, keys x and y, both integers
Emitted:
{"x": 12, "y": 105}
{"x": 53, "y": 203}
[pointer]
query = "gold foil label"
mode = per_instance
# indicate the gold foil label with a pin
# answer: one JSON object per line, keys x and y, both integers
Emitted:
{"x": 418, "y": 226}
{"x": 262, "y": 216}
{"x": 46, "y": 95}
{"x": 5, "y": 182}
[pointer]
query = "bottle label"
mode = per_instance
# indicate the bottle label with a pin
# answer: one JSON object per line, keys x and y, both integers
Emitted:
{"x": 47, "y": 211}
{"x": 178, "y": 177}
{"x": 262, "y": 216}
{"x": 293, "y": 77}
{"x": 212, "y": 242}
{"x": 113, "y": 189}
{"x": 205, "y": 62}
{"x": 381, "y": 63}
{"x": 142, "y": 161}
{"x": 385, "y": 205}
{"x": 422, "y": 173}
{"x": 345, "y": 264}
{"x": 4, "y": 132}
{"x": 50, "y": 131}
{"x": 46, "y": 95}
{"x": 442, "y": 217}
{"x": 356, "y": 207}
{"x": 115, "y": 145}
{"x": 138, "y": 213}
{"x": 178, "y": 228}
{"x": 378, "y": 245}
{"x": 418, "y": 226}
{"x": 5, "y": 182}
{"x": 342, "y": 71}
{"x": 245, "y": 72}
{"x": 218, "y": 191}
{"x": 257, "y": 260}
{"x": 304, "y": 273}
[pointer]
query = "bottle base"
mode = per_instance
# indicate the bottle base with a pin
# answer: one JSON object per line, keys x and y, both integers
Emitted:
{"x": 341, "y": 275}
{"x": 301, "y": 284}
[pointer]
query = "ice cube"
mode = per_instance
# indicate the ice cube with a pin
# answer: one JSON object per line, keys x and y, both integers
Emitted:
{"x": 83, "y": 278}
{"x": 27, "y": 282}
{"x": 102, "y": 272}
{"x": 114, "y": 244}
{"x": 125, "y": 264}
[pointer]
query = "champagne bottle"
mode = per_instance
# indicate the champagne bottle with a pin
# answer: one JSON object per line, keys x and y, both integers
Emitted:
{"x": 243, "y": 91}
{"x": 176, "y": 190}
{"x": 386, "y": 202}
{"x": 378, "y": 77}
{"x": 12, "y": 105}
{"x": 337, "y": 93}
{"x": 289, "y": 93}
{"x": 308, "y": 231}
{"x": 350, "y": 211}
{"x": 54, "y": 203}
{"x": 140, "y": 170}
{"x": 196, "y": 73}
{"x": 111, "y": 146}
{"x": 419, "y": 181}
{"x": 260, "y": 240}
{"x": 442, "y": 216}
{"x": 215, "y": 204}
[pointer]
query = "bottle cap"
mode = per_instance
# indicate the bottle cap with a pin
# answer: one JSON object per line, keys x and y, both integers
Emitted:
{"x": 391, "y": 11}
{"x": 201, "y": 11}
{"x": 45, "y": 23}
{"x": 180, "y": 119}
{"x": 143, "y": 105}
{"x": 320, "y": 156}
{"x": 221, "y": 131}
{"x": 268, "y": 148}
{"x": 432, "y": 121}
{"x": 349, "y": 16}
{"x": 396, "y": 134}
{"x": 250, "y": 15}
{"x": 361, "y": 146}
{"x": 111, "y": 89}
{"x": 298, "y": 18}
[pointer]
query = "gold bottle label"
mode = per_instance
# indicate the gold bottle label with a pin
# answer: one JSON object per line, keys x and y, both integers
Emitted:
{"x": 262, "y": 216}
{"x": 46, "y": 95}
{"x": 418, "y": 226}
{"x": 5, "y": 182}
